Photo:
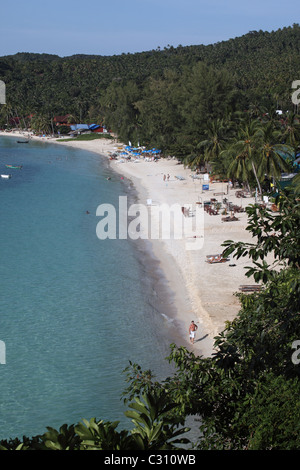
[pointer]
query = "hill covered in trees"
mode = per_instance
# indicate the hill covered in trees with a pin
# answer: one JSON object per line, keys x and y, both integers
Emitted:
{"x": 122, "y": 90}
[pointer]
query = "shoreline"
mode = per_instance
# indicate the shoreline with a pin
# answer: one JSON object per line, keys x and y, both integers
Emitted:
{"x": 199, "y": 291}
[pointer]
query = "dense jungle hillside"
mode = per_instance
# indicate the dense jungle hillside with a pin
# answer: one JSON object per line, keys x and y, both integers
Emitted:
{"x": 160, "y": 88}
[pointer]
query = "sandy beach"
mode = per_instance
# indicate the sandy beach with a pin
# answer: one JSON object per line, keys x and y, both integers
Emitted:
{"x": 201, "y": 291}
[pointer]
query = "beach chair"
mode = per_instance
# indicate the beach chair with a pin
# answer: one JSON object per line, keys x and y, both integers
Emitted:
{"x": 218, "y": 258}
{"x": 229, "y": 219}
{"x": 238, "y": 209}
{"x": 250, "y": 288}
{"x": 240, "y": 193}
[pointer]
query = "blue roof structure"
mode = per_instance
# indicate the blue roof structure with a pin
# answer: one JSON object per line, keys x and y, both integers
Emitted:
{"x": 86, "y": 127}
{"x": 76, "y": 127}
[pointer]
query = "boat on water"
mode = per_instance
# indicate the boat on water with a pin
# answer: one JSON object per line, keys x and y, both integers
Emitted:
{"x": 5, "y": 176}
{"x": 22, "y": 141}
{"x": 14, "y": 166}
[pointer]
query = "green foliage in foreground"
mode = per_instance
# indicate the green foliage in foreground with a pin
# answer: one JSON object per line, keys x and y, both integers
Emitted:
{"x": 248, "y": 393}
{"x": 155, "y": 428}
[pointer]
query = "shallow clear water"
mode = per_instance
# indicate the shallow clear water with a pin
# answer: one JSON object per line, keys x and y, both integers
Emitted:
{"x": 73, "y": 309}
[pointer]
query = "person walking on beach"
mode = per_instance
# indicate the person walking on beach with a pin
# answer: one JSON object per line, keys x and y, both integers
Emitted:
{"x": 192, "y": 331}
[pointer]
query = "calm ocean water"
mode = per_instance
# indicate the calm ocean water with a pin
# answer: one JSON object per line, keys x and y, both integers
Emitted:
{"x": 73, "y": 309}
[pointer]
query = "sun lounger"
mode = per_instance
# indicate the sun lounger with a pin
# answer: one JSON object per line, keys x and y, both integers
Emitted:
{"x": 250, "y": 288}
{"x": 216, "y": 259}
{"x": 241, "y": 193}
{"x": 229, "y": 219}
{"x": 196, "y": 176}
{"x": 181, "y": 178}
{"x": 238, "y": 209}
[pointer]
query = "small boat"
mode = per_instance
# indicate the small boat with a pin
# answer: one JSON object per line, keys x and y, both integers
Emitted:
{"x": 5, "y": 176}
{"x": 22, "y": 141}
{"x": 14, "y": 166}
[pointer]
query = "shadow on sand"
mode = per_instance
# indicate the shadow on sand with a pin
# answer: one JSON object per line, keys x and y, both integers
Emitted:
{"x": 201, "y": 339}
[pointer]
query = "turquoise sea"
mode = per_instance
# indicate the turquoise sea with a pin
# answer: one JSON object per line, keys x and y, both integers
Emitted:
{"x": 73, "y": 309}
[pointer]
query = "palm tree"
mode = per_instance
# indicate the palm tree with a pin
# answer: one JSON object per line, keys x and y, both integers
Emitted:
{"x": 239, "y": 167}
{"x": 194, "y": 160}
{"x": 72, "y": 118}
{"x": 271, "y": 153}
{"x": 209, "y": 150}
{"x": 291, "y": 132}
{"x": 255, "y": 110}
{"x": 41, "y": 124}
{"x": 244, "y": 149}
{"x": 216, "y": 138}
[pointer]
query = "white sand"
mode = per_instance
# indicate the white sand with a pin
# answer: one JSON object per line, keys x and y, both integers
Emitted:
{"x": 203, "y": 292}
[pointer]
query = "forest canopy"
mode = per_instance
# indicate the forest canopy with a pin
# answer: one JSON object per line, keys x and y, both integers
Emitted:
{"x": 164, "y": 96}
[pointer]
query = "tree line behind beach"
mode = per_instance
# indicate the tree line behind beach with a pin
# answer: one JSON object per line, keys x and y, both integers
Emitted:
{"x": 193, "y": 102}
